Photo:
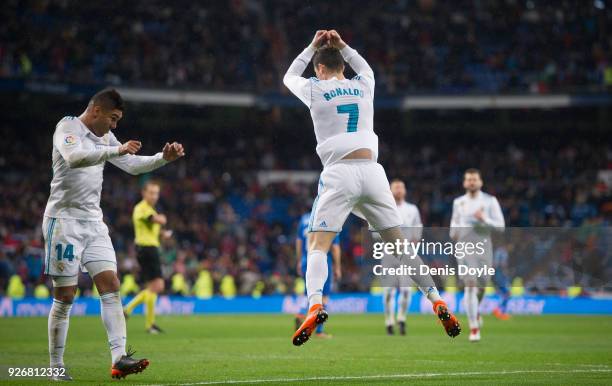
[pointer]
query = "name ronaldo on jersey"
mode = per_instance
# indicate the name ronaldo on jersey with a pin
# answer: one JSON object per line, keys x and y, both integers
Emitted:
{"x": 342, "y": 91}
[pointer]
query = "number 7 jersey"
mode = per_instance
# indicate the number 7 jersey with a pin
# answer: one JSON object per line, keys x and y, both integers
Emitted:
{"x": 342, "y": 111}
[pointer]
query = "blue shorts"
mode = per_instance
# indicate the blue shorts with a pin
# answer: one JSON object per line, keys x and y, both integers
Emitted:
{"x": 330, "y": 277}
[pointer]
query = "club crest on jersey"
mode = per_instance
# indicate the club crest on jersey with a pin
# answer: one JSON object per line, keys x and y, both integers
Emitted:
{"x": 70, "y": 140}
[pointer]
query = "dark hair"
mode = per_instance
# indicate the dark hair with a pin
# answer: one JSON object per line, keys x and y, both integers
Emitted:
{"x": 108, "y": 99}
{"x": 330, "y": 57}
{"x": 473, "y": 171}
{"x": 396, "y": 180}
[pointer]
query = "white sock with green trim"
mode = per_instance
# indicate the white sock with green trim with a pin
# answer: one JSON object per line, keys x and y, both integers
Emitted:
{"x": 405, "y": 294}
{"x": 316, "y": 275}
{"x": 389, "y": 305}
{"x": 114, "y": 322}
{"x": 59, "y": 318}
{"x": 470, "y": 299}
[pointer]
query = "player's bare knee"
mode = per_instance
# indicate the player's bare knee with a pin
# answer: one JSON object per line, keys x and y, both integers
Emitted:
{"x": 64, "y": 294}
{"x": 65, "y": 297}
{"x": 320, "y": 241}
{"x": 391, "y": 235}
{"x": 107, "y": 281}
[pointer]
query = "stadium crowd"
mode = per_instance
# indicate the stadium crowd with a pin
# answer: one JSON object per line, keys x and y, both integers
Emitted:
{"x": 228, "y": 223}
{"x": 414, "y": 46}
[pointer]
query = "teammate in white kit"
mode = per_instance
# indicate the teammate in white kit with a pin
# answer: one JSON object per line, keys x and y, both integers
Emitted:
{"x": 413, "y": 230}
{"x": 342, "y": 112}
{"x": 74, "y": 232}
{"x": 475, "y": 215}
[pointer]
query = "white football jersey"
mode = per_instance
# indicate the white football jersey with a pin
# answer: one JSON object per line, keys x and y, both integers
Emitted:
{"x": 411, "y": 220}
{"x": 342, "y": 111}
{"x": 410, "y": 215}
{"x": 78, "y": 165}
{"x": 464, "y": 208}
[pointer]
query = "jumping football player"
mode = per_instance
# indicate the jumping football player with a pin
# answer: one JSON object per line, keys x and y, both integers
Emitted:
{"x": 475, "y": 215}
{"x": 333, "y": 264}
{"x": 342, "y": 111}
{"x": 74, "y": 232}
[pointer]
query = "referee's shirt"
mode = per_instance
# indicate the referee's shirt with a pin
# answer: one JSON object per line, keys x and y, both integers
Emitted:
{"x": 145, "y": 230}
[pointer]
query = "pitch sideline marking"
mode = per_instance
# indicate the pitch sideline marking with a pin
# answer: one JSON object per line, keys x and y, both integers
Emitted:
{"x": 389, "y": 376}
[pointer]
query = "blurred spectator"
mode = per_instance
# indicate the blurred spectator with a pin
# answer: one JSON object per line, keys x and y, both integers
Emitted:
{"x": 431, "y": 46}
{"x": 226, "y": 222}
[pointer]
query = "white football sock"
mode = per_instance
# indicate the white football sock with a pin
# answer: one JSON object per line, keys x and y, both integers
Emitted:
{"x": 316, "y": 275}
{"x": 389, "y": 305}
{"x": 431, "y": 292}
{"x": 114, "y": 322}
{"x": 470, "y": 299}
{"x": 59, "y": 318}
{"x": 425, "y": 283}
{"x": 403, "y": 303}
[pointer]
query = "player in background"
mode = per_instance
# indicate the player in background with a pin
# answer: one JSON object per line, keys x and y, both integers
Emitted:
{"x": 414, "y": 230}
{"x": 501, "y": 281}
{"x": 475, "y": 213}
{"x": 74, "y": 232}
{"x": 333, "y": 263}
{"x": 342, "y": 111}
{"x": 147, "y": 230}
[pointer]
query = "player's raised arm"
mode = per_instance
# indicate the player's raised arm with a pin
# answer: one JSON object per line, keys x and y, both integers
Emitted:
{"x": 293, "y": 79}
{"x": 135, "y": 164}
{"x": 67, "y": 140}
{"x": 352, "y": 57}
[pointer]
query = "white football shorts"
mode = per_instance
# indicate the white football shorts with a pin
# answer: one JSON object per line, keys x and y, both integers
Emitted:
{"x": 358, "y": 186}
{"x": 71, "y": 245}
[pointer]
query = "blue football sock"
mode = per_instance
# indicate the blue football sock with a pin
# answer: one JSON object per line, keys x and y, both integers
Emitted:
{"x": 504, "y": 298}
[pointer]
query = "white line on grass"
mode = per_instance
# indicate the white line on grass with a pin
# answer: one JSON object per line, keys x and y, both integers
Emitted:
{"x": 391, "y": 376}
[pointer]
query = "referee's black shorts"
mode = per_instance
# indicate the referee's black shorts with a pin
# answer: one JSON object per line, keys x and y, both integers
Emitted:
{"x": 150, "y": 264}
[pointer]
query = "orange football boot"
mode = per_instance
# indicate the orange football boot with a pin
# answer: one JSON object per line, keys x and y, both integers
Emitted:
{"x": 500, "y": 315}
{"x": 128, "y": 365}
{"x": 316, "y": 315}
{"x": 448, "y": 320}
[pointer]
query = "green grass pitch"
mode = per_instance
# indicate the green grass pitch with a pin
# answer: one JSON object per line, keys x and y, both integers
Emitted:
{"x": 257, "y": 349}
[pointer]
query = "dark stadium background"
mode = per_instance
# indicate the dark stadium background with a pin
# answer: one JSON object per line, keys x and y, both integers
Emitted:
{"x": 542, "y": 163}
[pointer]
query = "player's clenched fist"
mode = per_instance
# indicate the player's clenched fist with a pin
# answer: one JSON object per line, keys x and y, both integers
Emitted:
{"x": 173, "y": 151}
{"x": 130, "y": 147}
{"x": 320, "y": 38}
{"x": 335, "y": 40}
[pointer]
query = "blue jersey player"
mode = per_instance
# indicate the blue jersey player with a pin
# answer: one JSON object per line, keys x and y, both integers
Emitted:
{"x": 501, "y": 281}
{"x": 333, "y": 262}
